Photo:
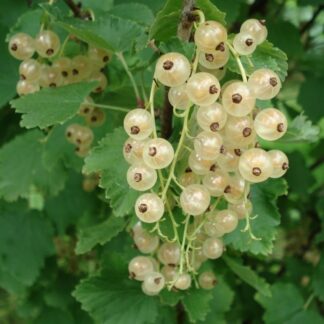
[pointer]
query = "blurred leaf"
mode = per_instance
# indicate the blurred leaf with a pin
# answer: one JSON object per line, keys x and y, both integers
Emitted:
{"x": 108, "y": 159}
{"x": 231, "y": 8}
{"x": 51, "y": 106}
{"x": 54, "y": 316}
{"x": 211, "y": 11}
{"x": 99, "y": 234}
{"x": 318, "y": 279}
{"x": 246, "y": 274}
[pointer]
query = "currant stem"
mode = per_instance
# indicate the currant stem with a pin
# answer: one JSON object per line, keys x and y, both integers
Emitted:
{"x": 114, "y": 108}
{"x": 139, "y": 100}
{"x": 183, "y": 244}
{"x": 238, "y": 61}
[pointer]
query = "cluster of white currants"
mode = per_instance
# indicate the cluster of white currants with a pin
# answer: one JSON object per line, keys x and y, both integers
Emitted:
{"x": 50, "y": 68}
{"x": 156, "y": 272}
{"x": 225, "y": 157}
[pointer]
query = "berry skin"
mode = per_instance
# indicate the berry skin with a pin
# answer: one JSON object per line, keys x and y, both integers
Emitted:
{"x": 188, "y": 178}
{"x": 50, "y": 77}
{"x": 208, "y": 145}
{"x": 239, "y": 131}
{"x": 47, "y": 43}
{"x": 153, "y": 283}
{"x": 139, "y": 267}
{"x": 25, "y": 87}
{"x": 64, "y": 64}
{"x": 169, "y": 254}
{"x": 98, "y": 57}
{"x": 71, "y": 132}
{"x": 178, "y": 97}
{"x": 229, "y": 158}
{"x": 217, "y": 73}
{"x": 207, "y": 280}
{"x": 30, "y": 70}
{"x": 133, "y": 150}
{"x": 183, "y": 281}
{"x": 264, "y": 84}
{"x": 141, "y": 177}
{"x": 169, "y": 272}
{"x": 242, "y": 208}
{"x": 280, "y": 163}
{"x": 86, "y": 107}
{"x": 138, "y": 124}
{"x": 172, "y": 69}
{"x": 256, "y": 28}
{"x": 21, "y": 46}
{"x": 145, "y": 242}
{"x": 96, "y": 118}
{"x": 237, "y": 99}
{"x": 210, "y": 35}
{"x": 213, "y": 248}
{"x": 215, "y": 59}
{"x": 149, "y": 208}
{"x": 203, "y": 89}
{"x": 81, "y": 68}
{"x": 194, "y": 199}
{"x": 212, "y": 118}
{"x": 102, "y": 79}
{"x": 216, "y": 182}
{"x": 227, "y": 220}
{"x": 244, "y": 43}
{"x": 270, "y": 124}
{"x": 234, "y": 192}
{"x": 200, "y": 166}
{"x": 255, "y": 165}
{"x": 212, "y": 227}
{"x": 83, "y": 136}
{"x": 158, "y": 153}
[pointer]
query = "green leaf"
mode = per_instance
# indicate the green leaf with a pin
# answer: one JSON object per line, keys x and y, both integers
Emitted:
{"x": 286, "y": 306}
{"x": 211, "y": 11}
{"x": 112, "y": 298}
{"x": 99, "y": 234}
{"x": 22, "y": 168}
{"x": 51, "y": 106}
{"x": 108, "y": 159}
{"x": 264, "y": 197}
{"x": 265, "y": 56}
{"x": 318, "y": 279}
{"x": 246, "y": 274}
{"x": 197, "y": 303}
{"x": 54, "y": 316}
{"x": 107, "y": 31}
{"x": 170, "y": 298}
{"x": 25, "y": 241}
{"x": 301, "y": 130}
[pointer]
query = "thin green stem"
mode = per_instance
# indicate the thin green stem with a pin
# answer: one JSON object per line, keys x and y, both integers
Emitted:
{"x": 183, "y": 244}
{"x": 309, "y": 301}
{"x": 238, "y": 61}
{"x": 63, "y": 46}
{"x": 151, "y": 106}
{"x": 115, "y": 108}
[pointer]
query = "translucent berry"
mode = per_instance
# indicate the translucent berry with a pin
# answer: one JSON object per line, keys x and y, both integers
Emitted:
{"x": 101, "y": 79}
{"x": 264, "y": 84}
{"x": 81, "y": 68}
{"x": 172, "y": 69}
{"x": 242, "y": 208}
{"x": 234, "y": 192}
{"x": 256, "y": 28}
{"x": 178, "y": 97}
{"x": 216, "y": 182}
{"x": 87, "y": 107}
{"x": 25, "y": 87}
{"x": 64, "y": 64}
{"x": 207, "y": 280}
{"x": 211, "y": 226}
{"x": 158, "y": 153}
{"x": 96, "y": 118}
{"x": 98, "y": 56}
{"x": 83, "y": 136}
{"x": 149, "y": 208}
{"x": 188, "y": 178}
{"x": 153, "y": 282}
{"x": 47, "y": 43}
{"x": 138, "y": 124}
{"x": 213, "y": 248}
{"x": 203, "y": 89}
{"x": 244, "y": 43}
{"x": 199, "y": 165}
{"x": 194, "y": 199}
{"x": 169, "y": 254}
{"x": 208, "y": 145}
{"x": 141, "y": 177}
{"x": 229, "y": 158}
{"x": 50, "y": 77}
{"x": 215, "y": 59}
{"x": 133, "y": 150}
{"x": 21, "y": 46}
{"x": 145, "y": 242}
{"x": 237, "y": 99}
{"x": 227, "y": 220}
{"x": 270, "y": 124}
{"x": 139, "y": 267}
{"x": 255, "y": 165}
{"x": 217, "y": 73}
{"x": 210, "y": 35}
{"x": 169, "y": 272}
{"x": 280, "y": 163}
{"x": 183, "y": 281}
{"x": 212, "y": 118}
{"x": 30, "y": 70}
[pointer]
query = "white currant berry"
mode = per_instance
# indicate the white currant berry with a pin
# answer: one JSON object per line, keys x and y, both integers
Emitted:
{"x": 158, "y": 153}
{"x": 83, "y": 136}
{"x": 25, "y": 87}
{"x": 194, "y": 199}
{"x": 227, "y": 220}
{"x": 280, "y": 163}
{"x": 270, "y": 124}
{"x": 30, "y": 70}
{"x": 207, "y": 280}
{"x": 256, "y": 28}
{"x": 64, "y": 64}
{"x": 145, "y": 242}
{"x": 169, "y": 272}
{"x": 139, "y": 267}
{"x": 141, "y": 177}
{"x": 239, "y": 131}
{"x": 98, "y": 56}
{"x": 212, "y": 118}
{"x": 87, "y": 107}
{"x": 264, "y": 84}
{"x": 242, "y": 208}
{"x": 50, "y": 77}
{"x": 101, "y": 79}
{"x": 209, "y": 35}
{"x": 96, "y": 118}
{"x": 217, "y": 73}
{"x": 21, "y": 46}
{"x": 169, "y": 254}
{"x": 149, "y": 208}
{"x": 229, "y": 158}
{"x": 208, "y": 145}
{"x": 147, "y": 292}
{"x": 172, "y": 69}
{"x": 47, "y": 43}
{"x": 183, "y": 281}
{"x": 234, "y": 192}
{"x": 213, "y": 248}
{"x": 71, "y": 132}
{"x": 237, "y": 99}
{"x": 216, "y": 182}
{"x": 178, "y": 97}
{"x": 133, "y": 150}
{"x": 81, "y": 68}
{"x": 199, "y": 165}
{"x": 153, "y": 282}
{"x": 82, "y": 150}
{"x": 138, "y": 124}
{"x": 255, "y": 165}
{"x": 211, "y": 226}
{"x": 203, "y": 89}
{"x": 188, "y": 178}
{"x": 215, "y": 59}
{"x": 244, "y": 43}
